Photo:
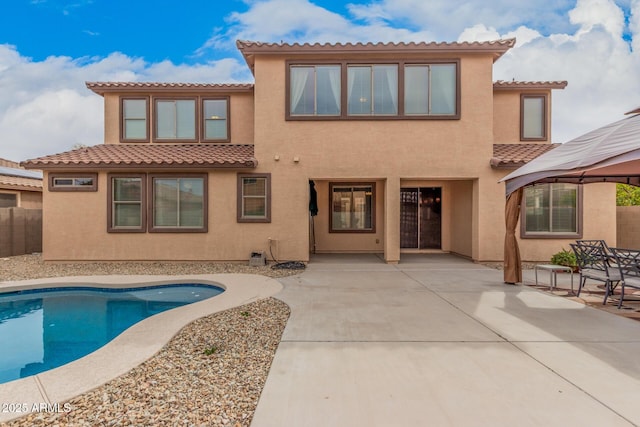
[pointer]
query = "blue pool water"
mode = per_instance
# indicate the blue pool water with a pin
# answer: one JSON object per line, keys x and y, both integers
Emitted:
{"x": 46, "y": 328}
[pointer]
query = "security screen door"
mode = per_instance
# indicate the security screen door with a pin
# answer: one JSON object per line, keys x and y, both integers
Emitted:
{"x": 420, "y": 218}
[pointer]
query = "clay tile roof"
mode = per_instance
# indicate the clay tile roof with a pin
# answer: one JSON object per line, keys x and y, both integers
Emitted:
{"x": 13, "y": 177}
{"x": 504, "y": 85}
{"x": 511, "y": 156}
{"x": 117, "y": 156}
{"x": 19, "y": 183}
{"x": 102, "y": 87}
{"x": 250, "y": 48}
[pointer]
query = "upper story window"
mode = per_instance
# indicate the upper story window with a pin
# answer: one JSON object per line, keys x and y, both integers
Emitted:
{"x": 430, "y": 89}
{"x": 216, "y": 124}
{"x": 175, "y": 119}
{"x": 134, "y": 119}
{"x": 352, "y": 90}
{"x": 196, "y": 119}
{"x": 552, "y": 210}
{"x": 315, "y": 90}
{"x": 533, "y": 120}
{"x": 372, "y": 89}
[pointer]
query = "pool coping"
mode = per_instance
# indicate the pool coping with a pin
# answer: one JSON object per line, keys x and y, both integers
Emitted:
{"x": 41, "y": 392}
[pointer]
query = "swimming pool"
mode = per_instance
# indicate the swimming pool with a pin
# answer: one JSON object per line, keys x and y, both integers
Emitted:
{"x": 46, "y": 328}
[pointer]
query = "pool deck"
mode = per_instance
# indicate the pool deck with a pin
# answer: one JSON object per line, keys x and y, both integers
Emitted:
{"x": 434, "y": 340}
{"x": 438, "y": 340}
{"x": 135, "y": 345}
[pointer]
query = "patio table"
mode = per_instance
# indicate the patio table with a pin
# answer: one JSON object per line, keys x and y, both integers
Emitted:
{"x": 553, "y": 270}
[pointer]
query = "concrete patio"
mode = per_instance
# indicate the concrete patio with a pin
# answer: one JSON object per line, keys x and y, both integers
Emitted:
{"x": 438, "y": 340}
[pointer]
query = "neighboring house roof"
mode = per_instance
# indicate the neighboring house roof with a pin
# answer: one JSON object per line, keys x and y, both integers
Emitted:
{"x": 18, "y": 183}
{"x": 511, "y": 156}
{"x": 102, "y": 87}
{"x": 250, "y": 48}
{"x": 520, "y": 85}
{"x": 117, "y": 156}
{"x": 13, "y": 177}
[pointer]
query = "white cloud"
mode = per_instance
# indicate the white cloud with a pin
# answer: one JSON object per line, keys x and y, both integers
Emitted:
{"x": 599, "y": 65}
{"x": 45, "y": 107}
{"x": 604, "y": 13}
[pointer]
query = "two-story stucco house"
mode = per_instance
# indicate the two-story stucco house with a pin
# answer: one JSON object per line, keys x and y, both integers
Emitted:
{"x": 399, "y": 147}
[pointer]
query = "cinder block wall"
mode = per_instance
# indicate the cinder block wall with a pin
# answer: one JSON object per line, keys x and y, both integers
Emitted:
{"x": 628, "y": 227}
{"x": 20, "y": 231}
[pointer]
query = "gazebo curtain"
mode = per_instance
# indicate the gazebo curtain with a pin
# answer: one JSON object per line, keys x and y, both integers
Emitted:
{"x": 512, "y": 268}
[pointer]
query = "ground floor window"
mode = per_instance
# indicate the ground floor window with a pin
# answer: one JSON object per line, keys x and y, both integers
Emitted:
{"x": 178, "y": 203}
{"x": 254, "y": 198}
{"x": 551, "y": 210}
{"x": 126, "y": 203}
{"x": 161, "y": 203}
{"x": 8, "y": 200}
{"x": 352, "y": 207}
{"x": 73, "y": 182}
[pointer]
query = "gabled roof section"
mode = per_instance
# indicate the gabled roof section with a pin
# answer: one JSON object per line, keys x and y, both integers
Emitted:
{"x": 519, "y": 85}
{"x": 119, "y": 156}
{"x": 251, "y": 48}
{"x": 103, "y": 87}
{"x": 511, "y": 156}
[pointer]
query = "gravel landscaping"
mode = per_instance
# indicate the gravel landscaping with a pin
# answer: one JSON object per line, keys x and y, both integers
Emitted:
{"x": 211, "y": 373}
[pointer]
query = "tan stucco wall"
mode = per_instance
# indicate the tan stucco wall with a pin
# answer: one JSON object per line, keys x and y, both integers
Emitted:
{"x": 628, "y": 227}
{"x": 31, "y": 199}
{"x": 26, "y": 199}
{"x": 451, "y": 154}
{"x": 73, "y": 233}
{"x": 506, "y": 119}
{"x": 599, "y": 222}
{"x": 347, "y": 242}
{"x": 388, "y": 150}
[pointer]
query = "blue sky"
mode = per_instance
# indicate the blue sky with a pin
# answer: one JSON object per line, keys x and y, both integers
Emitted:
{"x": 49, "y": 48}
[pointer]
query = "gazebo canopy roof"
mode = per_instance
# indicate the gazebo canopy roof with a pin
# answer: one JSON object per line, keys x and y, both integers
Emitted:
{"x": 608, "y": 154}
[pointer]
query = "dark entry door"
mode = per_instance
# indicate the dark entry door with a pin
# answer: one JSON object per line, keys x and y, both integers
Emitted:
{"x": 420, "y": 218}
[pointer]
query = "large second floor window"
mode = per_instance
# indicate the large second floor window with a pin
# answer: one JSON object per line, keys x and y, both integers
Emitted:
{"x": 175, "y": 119}
{"x": 315, "y": 90}
{"x": 372, "y": 89}
{"x": 357, "y": 91}
{"x": 430, "y": 89}
{"x": 551, "y": 210}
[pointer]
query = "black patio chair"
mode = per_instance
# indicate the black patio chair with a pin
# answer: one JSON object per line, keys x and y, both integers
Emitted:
{"x": 596, "y": 263}
{"x": 628, "y": 261}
